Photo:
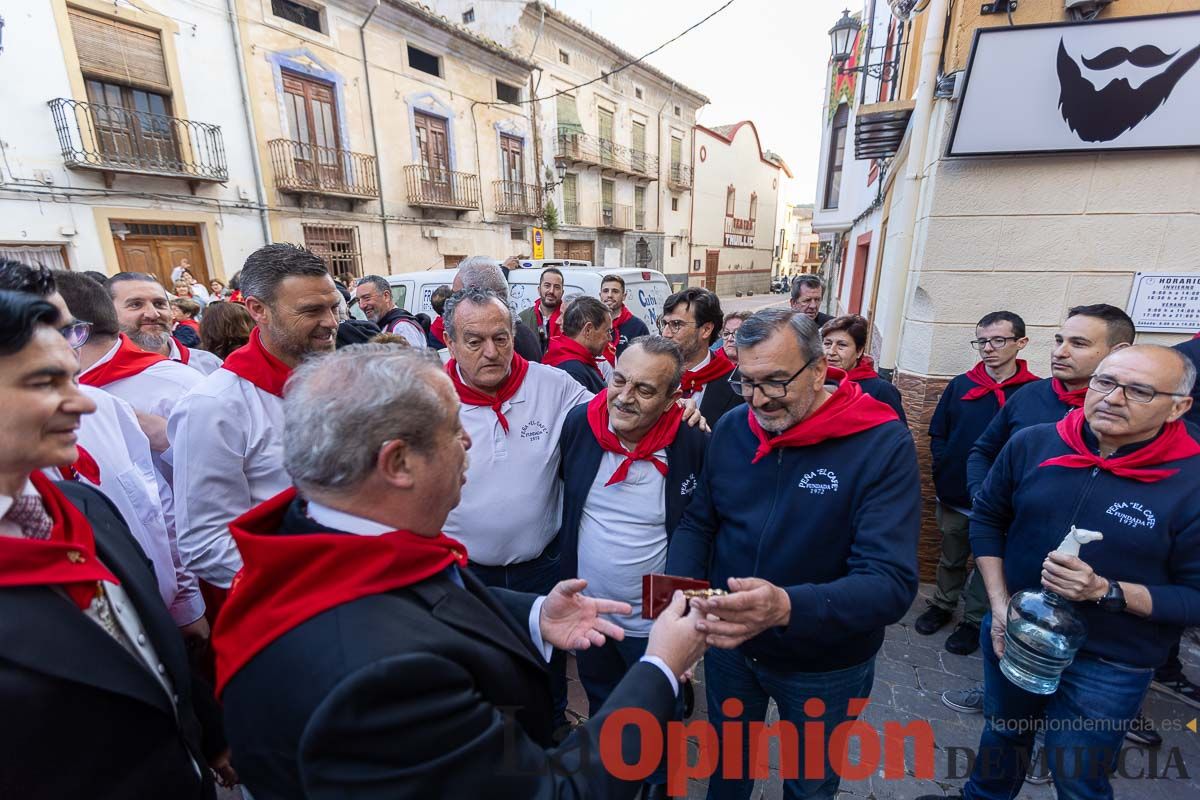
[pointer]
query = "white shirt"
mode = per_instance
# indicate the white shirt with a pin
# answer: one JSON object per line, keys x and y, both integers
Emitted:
{"x": 413, "y": 333}
{"x": 623, "y": 535}
{"x": 154, "y": 390}
{"x": 511, "y": 505}
{"x": 202, "y": 361}
{"x": 227, "y": 436}
{"x": 699, "y": 395}
{"x": 129, "y": 479}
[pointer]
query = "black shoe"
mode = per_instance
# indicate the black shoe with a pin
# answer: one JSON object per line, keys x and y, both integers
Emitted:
{"x": 964, "y": 640}
{"x": 932, "y": 620}
{"x": 1143, "y": 733}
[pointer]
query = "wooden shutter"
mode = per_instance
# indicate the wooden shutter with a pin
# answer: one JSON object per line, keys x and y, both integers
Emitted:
{"x": 116, "y": 51}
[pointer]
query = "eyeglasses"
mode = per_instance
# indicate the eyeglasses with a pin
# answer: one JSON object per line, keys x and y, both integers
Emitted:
{"x": 1134, "y": 393}
{"x": 997, "y": 342}
{"x": 771, "y": 389}
{"x": 676, "y": 325}
{"x": 76, "y": 333}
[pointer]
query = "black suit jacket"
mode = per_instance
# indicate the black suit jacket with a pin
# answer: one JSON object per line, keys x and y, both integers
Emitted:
{"x": 429, "y": 691}
{"x": 81, "y": 718}
{"x": 719, "y": 398}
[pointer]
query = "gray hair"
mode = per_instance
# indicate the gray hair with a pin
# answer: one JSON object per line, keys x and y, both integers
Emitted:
{"x": 481, "y": 272}
{"x": 1187, "y": 368}
{"x": 271, "y": 264}
{"x": 763, "y": 324}
{"x": 809, "y": 282}
{"x": 475, "y": 296}
{"x": 377, "y": 281}
{"x": 661, "y": 346}
{"x": 332, "y": 437}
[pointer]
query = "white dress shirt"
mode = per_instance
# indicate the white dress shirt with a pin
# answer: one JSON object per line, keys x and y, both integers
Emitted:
{"x": 202, "y": 361}
{"x": 154, "y": 390}
{"x": 413, "y": 333}
{"x": 8, "y": 527}
{"x": 511, "y": 505}
{"x": 699, "y": 395}
{"x": 227, "y": 437}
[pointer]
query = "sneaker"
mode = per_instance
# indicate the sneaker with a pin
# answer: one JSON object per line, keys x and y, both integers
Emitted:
{"x": 1180, "y": 688}
{"x": 933, "y": 620}
{"x": 964, "y": 640}
{"x": 965, "y": 701}
{"x": 1038, "y": 771}
{"x": 1142, "y": 732}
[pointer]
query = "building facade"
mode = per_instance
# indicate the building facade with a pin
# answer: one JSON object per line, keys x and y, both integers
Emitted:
{"x": 797, "y": 250}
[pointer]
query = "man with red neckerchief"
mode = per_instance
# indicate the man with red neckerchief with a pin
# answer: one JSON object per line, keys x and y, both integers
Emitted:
{"x": 587, "y": 328}
{"x": 96, "y": 690}
{"x": 227, "y": 434}
{"x": 808, "y": 510}
{"x": 692, "y": 319}
{"x": 626, "y": 326}
{"x": 144, "y": 313}
{"x": 545, "y": 315}
{"x": 1124, "y": 465}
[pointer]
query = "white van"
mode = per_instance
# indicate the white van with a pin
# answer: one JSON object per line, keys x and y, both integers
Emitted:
{"x": 645, "y": 289}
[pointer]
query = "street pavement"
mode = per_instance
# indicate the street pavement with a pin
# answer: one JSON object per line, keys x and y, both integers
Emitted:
{"x": 755, "y": 302}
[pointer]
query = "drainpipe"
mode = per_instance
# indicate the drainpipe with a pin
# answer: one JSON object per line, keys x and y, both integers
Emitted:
{"x": 362, "y": 39}
{"x": 259, "y": 186}
{"x": 903, "y": 218}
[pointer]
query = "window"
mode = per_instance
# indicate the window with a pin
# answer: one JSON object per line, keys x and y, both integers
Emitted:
{"x": 672, "y": 249}
{"x": 297, "y": 13}
{"x": 638, "y": 93}
{"x": 639, "y": 207}
{"x": 754, "y": 205}
{"x": 674, "y": 203}
{"x": 468, "y": 16}
{"x": 638, "y": 142}
{"x": 507, "y": 93}
{"x": 118, "y": 53}
{"x": 337, "y": 246}
{"x": 424, "y": 62}
{"x": 730, "y": 201}
{"x": 516, "y": 234}
{"x": 678, "y": 113}
{"x": 312, "y": 125}
{"x": 837, "y": 151}
{"x": 564, "y": 57}
{"x": 570, "y": 191}
{"x": 604, "y": 78}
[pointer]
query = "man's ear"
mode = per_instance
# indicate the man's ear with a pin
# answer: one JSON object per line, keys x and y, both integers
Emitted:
{"x": 395, "y": 464}
{"x": 259, "y": 311}
{"x": 1182, "y": 406}
{"x": 1020, "y": 343}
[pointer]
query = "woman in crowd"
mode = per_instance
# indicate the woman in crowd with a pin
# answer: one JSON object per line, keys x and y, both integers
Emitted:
{"x": 845, "y": 342}
{"x": 224, "y": 328}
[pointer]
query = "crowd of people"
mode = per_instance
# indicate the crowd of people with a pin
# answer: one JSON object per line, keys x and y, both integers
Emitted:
{"x": 246, "y": 538}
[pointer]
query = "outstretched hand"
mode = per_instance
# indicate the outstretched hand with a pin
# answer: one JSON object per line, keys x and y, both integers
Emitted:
{"x": 571, "y": 621}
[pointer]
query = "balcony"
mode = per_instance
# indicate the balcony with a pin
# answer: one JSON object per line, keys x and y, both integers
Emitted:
{"x": 429, "y": 187}
{"x": 879, "y": 128}
{"x": 570, "y": 213}
{"x": 582, "y": 149}
{"x": 639, "y": 219}
{"x": 882, "y": 115}
{"x": 518, "y": 199}
{"x": 739, "y": 232}
{"x": 614, "y": 217}
{"x": 302, "y": 168}
{"x": 114, "y": 139}
{"x": 679, "y": 176}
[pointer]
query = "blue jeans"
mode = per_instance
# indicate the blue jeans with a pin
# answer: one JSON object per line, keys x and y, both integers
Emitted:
{"x": 729, "y": 674}
{"x": 1085, "y": 722}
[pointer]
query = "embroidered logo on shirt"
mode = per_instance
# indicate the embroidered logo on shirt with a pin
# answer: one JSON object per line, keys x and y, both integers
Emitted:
{"x": 1135, "y": 515}
{"x": 820, "y": 481}
{"x": 534, "y": 431}
{"x": 689, "y": 485}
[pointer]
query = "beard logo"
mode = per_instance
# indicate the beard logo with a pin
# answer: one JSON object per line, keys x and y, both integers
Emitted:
{"x": 1103, "y": 115}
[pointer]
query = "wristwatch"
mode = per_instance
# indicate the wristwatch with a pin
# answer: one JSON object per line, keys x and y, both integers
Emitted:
{"x": 1113, "y": 600}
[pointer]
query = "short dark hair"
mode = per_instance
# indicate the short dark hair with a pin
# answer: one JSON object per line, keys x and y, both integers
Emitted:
{"x": 549, "y": 270}
{"x": 582, "y": 311}
{"x": 225, "y": 327}
{"x": 269, "y": 265}
{"x": 20, "y": 314}
{"x": 613, "y": 279}
{"x": 128, "y": 277}
{"x": 378, "y": 281}
{"x": 705, "y": 307}
{"x": 854, "y": 326}
{"x": 1120, "y": 326}
{"x": 811, "y": 281}
{"x": 187, "y": 305}
{"x": 99, "y": 277}
{"x": 439, "y": 297}
{"x": 18, "y": 277}
{"x": 996, "y": 317}
{"x": 762, "y": 324}
{"x": 661, "y": 346}
{"x": 88, "y": 301}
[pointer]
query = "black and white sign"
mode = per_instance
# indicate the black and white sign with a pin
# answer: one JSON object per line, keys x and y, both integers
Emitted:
{"x": 1162, "y": 301}
{"x": 1119, "y": 84}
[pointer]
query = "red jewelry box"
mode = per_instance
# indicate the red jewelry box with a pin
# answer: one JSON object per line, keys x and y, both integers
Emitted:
{"x": 657, "y": 591}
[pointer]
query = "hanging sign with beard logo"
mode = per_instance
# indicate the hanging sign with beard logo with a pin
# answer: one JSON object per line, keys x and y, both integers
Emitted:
{"x": 1119, "y": 84}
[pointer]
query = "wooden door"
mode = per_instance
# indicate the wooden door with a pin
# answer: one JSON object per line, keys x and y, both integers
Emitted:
{"x": 574, "y": 249}
{"x": 432, "y": 143}
{"x": 859, "y": 278}
{"x": 638, "y": 147}
{"x": 606, "y": 135}
{"x": 156, "y": 249}
{"x": 172, "y": 252}
{"x": 607, "y": 209}
{"x": 139, "y": 255}
{"x": 312, "y": 125}
{"x": 512, "y": 168}
{"x": 712, "y": 262}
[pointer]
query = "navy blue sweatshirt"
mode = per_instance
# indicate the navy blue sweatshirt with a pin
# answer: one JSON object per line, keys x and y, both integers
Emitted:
{"x": 885, "y": 392}
{"x": 629, "y": 330}
{"x": 1191, "y": 349}
{"x": 1151, "y": 536}
{"x": 581, "y": 459}
{"x": 584, "y": 375}
{"x": 1035, "y": 405}
{"x": 835, "y": 524}
{"x": 953, "y": 430}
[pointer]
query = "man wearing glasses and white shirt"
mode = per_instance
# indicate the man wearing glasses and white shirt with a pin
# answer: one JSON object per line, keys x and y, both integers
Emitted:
{"x": 692, "y": 320}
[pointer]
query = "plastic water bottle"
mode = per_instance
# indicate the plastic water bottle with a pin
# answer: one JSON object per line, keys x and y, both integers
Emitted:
{"x": 1044, "y": 631}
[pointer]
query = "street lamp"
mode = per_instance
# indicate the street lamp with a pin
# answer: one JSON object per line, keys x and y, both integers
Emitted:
{"x": 841, "y": 35}
{"x": 560, "y": 168}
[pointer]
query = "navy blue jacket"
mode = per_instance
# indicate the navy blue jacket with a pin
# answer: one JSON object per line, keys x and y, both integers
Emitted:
{"x": 581, "y": 456}
{"x": 885, "y": 392}
{"x": 835, "y": 524}
{"x": 1151, "y": 536}
{"x": 719, "y": 398}
{"x": 955, "y": 426}
{"x": 1035, "y": 405}
{"x": 1191, "y": 349}
{"x": 584, "y": 375}
{"x": 631, "y": 329}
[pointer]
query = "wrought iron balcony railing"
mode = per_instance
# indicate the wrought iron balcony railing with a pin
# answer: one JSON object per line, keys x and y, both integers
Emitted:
{"x": 577, "y": 147}
{"x": 441, "y": 188}
{"x": 614, "y": 217}
{"x": 679, "y": 176}
{"x": 302, "y": 168}
{"x": 520, "y": 199}
{"x": 115, "y": 139}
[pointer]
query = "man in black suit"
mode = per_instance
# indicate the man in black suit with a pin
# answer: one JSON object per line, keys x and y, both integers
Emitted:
{"x": 692, "y": 319}
{"x": 94, "y": 679}
{"x": 359, "y": 658}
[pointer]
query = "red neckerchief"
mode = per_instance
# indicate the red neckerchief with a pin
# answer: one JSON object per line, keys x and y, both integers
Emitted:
{"x": 129, "y": 360}
{"x": 68, "y": 559}
{"x": 84, "y": 466}
{"x": 848, "y": 411}
{"x": 191, "y": 323}
{"x": 863, "y": 370}
{"x": 1073, "y": 398}
{"x": 252, "y": 362}
{"x": 610, "y": 351}
{"x": 185, "y": 355}
{"x": 985, "y": 384}
{"x": 286, "y": 580}
{"x": 718, "y": 366}
{"x": 555, "y": 318}
{"x": 657, "y": 438}
{"x": 563, "y": 349}
{"x": 1173, "y": 444}
{"x": 437, "y": 329}
{"x": 236, "y": 297}
{"x": 474, "y": 397}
